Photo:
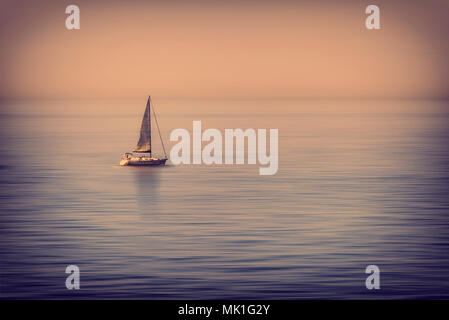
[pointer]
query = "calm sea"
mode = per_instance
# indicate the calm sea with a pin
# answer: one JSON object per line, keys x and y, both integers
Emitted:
{"x": 359, "y": 183}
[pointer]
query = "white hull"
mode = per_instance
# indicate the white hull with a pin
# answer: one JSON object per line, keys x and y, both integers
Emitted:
{"x": 142, "y": 161}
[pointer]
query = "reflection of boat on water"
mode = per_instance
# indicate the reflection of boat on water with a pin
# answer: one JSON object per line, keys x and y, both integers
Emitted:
{"x": 145, "y": 179}
{"x": 142, "y": 154}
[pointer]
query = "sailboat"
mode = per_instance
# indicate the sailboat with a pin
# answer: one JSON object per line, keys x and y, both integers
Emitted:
{"x": 142, "y": 154}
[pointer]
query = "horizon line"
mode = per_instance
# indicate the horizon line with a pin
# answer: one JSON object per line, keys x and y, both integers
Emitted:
{"x": 219, "y": 97}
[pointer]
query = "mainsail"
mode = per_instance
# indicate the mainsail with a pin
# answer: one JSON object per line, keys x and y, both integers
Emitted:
{"x": 144, "y": 144}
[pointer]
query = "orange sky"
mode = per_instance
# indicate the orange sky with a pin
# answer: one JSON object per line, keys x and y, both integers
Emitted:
{"x": 224, "y": 49}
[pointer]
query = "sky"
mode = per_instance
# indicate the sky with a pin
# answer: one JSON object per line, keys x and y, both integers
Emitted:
{"x": 246, "y": 48}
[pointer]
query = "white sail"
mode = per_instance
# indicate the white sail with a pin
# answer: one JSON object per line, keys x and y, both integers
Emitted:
{"x": 144, "y": 144}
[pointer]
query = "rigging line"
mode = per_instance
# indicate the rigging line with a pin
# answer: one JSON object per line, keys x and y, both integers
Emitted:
{"x": 159, "y": 131}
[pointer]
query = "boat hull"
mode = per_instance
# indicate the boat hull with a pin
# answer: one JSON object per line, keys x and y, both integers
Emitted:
{"x": 137, "y": 162}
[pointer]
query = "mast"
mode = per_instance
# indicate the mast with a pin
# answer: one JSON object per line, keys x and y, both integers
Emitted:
{"x": 149, "y": 122}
